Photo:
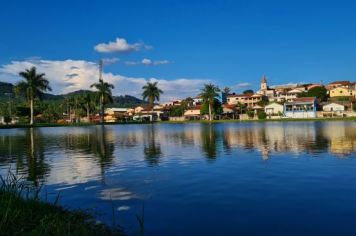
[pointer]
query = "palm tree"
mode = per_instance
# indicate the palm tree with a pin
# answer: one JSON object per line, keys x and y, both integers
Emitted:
{"x": 33, "y": 85}
{"x": 209, "y": 93}
{"x": 86, "y": 101}
{"x": 151, "y": 92}
{"x": 104, "y": 95}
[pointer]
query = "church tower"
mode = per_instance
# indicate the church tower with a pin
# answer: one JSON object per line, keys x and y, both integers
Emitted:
{"x": 264, "y": 83}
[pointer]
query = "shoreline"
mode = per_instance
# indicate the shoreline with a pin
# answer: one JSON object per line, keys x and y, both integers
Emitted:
{"x": 39, "y": 125}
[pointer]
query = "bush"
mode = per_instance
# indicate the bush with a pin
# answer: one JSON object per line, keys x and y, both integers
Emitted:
{"x": 250, "y": 114}
{"x": 354, "y": 107}
{"x": 261, "y": 115}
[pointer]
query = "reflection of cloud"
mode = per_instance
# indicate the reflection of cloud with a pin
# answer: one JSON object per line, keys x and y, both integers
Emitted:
{"x": 123, "y": 208}
{"x": 117, "y": 194}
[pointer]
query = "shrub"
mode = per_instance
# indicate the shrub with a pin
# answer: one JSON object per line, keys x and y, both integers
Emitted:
{"x": 261, "y": 115}
{"x": 250, "y": 114}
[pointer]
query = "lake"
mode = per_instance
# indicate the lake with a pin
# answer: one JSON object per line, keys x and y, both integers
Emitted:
{"x": 273, "y": 178}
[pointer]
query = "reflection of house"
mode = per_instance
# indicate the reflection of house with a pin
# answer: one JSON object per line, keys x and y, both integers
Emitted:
{"x": 334, "y": 107}
{"x": 304, "y": 107}
{"x": 274, "y": 109}
{"x": 249, "y": 100}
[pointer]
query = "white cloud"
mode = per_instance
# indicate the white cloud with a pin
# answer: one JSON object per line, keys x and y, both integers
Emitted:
{"x": 147, "y": 62}
{"x": 109, "y": 61}
{"x": 241, "y": 85}
{"x": 120, "y": 45}
{"x": 70, "y": 75}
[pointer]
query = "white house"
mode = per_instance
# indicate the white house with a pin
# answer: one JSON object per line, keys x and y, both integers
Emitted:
{"x": 334, "y": 107}
{"x": 304, "y": 107}
{"x": 274, "y": 109}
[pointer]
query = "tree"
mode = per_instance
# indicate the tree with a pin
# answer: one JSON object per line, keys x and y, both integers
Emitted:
{"x": 104, "y": 95}
{"x": 354, "y": 107}
{"x": 33, "y": 85}
{"x": 86, "y": 101}
{"x": 318, "y": 92}
{"x": 151, "y": 92}
{"x": 216, "y": 108}
{"x": 248, "y": 91}
{"x": 226, "y": 90}
{"x": 209, "y": 93}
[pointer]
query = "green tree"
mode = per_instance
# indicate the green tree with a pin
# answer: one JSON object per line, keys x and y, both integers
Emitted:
{"x": 86, "y": 101}
{"x": 216, "y": 108}
{"x": 248, "y": 91}
{"x": 33, "y": 85}
{"x": 151, "y": 92}
{"x": 209, "y": 93}
{"x": 354, "y": 107}
{"x": 104, "y": 95}
{"x": 318, "y": 92}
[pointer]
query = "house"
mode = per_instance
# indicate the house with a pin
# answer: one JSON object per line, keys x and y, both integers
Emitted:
{"x": 338, "y": 84}
{"x": 342, "y": 92}
{"x": 274, "y": 109}
{"x": 193, "y": 112}
{"x": 249, "y": 100}
{"x": 334, "y": 107}
{"x": 304, "y": 107}
{"x": 112, "y": 114}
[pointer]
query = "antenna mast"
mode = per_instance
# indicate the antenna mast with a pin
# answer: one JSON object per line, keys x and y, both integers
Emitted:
{"x": 100, "y": 70}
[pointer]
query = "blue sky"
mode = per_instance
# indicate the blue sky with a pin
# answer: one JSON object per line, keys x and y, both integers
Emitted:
{"x": 184, "y": 43}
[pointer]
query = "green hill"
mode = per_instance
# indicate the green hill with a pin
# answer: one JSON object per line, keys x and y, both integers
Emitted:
{"x": 119, "y": 101}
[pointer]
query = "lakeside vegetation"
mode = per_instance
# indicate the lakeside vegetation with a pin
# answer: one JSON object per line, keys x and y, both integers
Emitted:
{"x": 22, "y": 212}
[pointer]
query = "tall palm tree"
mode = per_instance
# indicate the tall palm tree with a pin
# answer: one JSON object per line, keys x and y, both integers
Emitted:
{"x": 104, "y": 95}
{"x": 151, "y": 92}
{"x": 34, "y": 85}
{"x": 209, "y": 93}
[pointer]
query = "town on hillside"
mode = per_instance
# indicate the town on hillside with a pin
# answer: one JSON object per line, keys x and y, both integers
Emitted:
{"x": 336, "y": 99}
{"x": 300, "y": 101}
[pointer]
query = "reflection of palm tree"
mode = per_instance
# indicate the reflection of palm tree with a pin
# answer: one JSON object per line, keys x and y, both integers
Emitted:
{"x": 209, "y": 141}
{"x": 152, "y": 151}
{"x": 37, "y": 168}
{"x": 103, "y": 149}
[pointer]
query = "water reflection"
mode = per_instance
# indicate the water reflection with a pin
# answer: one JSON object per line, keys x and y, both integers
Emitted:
{"x": 74, "y": 155}
{"x": 152, "y": 149}
{"x": 209, "y": 138}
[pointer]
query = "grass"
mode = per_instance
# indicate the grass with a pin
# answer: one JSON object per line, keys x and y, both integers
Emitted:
{"x": 23, "y": 213}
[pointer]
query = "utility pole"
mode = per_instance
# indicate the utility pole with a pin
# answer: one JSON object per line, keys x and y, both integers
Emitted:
{"x": 101, "y": 105}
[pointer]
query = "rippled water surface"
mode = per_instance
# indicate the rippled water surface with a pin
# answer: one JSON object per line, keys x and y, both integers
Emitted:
{"x": 291, "y": 178}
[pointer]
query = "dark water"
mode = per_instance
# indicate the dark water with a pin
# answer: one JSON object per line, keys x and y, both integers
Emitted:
{"x": 292, "y": 178}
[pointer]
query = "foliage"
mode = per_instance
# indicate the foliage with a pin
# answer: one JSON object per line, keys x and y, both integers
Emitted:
{"x": 209, "y": 94}
{"x": 248, "y": 91}
{"x": 261, "y": 115}
{"x": 176, "y": 111}
{"x": 151, "y": 92}
{"x": 318, "y": 92}
{"x": 250, "y": 113}
{"x": 33, "y": 85}
{"x": 354, "y": 107}
{"x": 216, "y": 108}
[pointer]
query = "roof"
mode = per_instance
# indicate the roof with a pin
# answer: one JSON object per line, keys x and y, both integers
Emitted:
{"x": 197, "y": 107}
{"x": 303, "y": 100}
{"x": 230, "y": 106}
{"x": 245, "y": 95}
{"x": 342, "y": 82}
{"x": 273, "y": 104}
{"x": 333, "y": 104}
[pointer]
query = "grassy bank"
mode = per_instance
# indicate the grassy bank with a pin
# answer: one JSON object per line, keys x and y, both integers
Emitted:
{"x": 23, "y": 213}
